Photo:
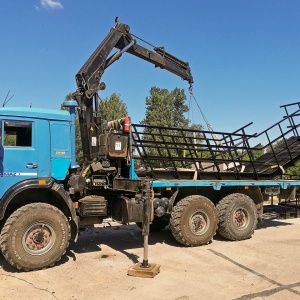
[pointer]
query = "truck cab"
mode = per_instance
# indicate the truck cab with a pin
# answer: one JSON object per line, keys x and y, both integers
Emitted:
{"x": 35, "y": 144}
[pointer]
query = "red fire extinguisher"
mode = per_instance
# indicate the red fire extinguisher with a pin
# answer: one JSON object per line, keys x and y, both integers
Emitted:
{"x": 126, "y": 124}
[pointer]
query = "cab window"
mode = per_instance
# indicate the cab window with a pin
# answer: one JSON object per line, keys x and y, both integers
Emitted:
{"x": 17, "y": 134}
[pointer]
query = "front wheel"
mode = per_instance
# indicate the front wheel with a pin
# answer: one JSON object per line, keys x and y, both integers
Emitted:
{"x": 35, "y": 236}
{"x": 194, "y": 221}
{"x": 237, "y": 217}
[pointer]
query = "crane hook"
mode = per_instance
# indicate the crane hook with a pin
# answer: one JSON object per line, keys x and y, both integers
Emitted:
{"x": 191, "y": 88}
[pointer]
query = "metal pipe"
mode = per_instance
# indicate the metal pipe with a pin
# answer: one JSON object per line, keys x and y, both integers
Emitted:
{"x": 71, "y": 104}
{"x": 146, "y": 220}
{"x": 117, "y": 55}
{"x": 145, "y": 263}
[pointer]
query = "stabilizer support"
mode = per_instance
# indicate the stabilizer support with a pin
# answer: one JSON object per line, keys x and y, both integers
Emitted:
{"x": 145, "y": 269}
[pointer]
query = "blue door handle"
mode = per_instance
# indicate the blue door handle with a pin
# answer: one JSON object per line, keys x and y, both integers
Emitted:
{"x": 31, "y": 166}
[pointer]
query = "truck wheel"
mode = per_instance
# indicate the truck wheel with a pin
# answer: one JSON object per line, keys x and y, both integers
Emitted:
{"x": 237, "y": 217}
{"x": 194, "y": 221}
{"x": 157, "y": 224}
{"x": 35, "y": 236}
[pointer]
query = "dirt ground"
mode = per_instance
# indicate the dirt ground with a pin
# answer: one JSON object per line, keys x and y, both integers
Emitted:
{"x": 263, "y": 267}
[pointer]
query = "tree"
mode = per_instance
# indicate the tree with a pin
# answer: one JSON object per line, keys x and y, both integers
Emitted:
{"x": 165, "y": 108}
{"x": 112, "y": 108}
{"x": 165, "y": 111}
{"x": 294, "y": 170}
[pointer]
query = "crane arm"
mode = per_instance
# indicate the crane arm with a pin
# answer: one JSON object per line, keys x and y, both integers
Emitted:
{"x": 89, "y": 76}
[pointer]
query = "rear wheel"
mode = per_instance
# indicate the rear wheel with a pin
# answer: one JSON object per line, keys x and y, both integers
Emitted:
{"x": 237, "y": 217}
{"x": 194, "y": 221}
{"x": 35, "y": 236}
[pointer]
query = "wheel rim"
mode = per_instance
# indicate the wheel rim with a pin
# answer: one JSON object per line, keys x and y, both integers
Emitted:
{"x": 241, "y": 218}
{"x": 38, "y": 238}
{"x": 199, "y": 222}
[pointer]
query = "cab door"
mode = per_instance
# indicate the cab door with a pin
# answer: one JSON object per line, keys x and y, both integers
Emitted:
{"x": 18, "y": 154}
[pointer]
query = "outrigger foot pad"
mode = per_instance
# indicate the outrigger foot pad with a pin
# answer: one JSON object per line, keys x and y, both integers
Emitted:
{"x": 138, "y": 270}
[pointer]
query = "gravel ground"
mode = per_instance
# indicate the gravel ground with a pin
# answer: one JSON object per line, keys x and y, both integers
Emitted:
{"x": 263, "y": 267}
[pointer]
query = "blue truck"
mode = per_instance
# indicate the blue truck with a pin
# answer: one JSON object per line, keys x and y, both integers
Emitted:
{"x": 198, "y": 182}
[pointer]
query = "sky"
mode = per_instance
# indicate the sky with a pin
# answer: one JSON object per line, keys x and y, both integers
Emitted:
{"x": 243, "y": 54}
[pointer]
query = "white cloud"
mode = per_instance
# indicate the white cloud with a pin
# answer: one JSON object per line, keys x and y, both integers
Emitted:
{"x": 51, "y": 4}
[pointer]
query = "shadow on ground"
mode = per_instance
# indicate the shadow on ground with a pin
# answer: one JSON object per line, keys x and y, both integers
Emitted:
{"x": 122, "y": 238}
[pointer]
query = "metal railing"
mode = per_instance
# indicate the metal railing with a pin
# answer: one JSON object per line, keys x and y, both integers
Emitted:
{"x": 178, "y": 153}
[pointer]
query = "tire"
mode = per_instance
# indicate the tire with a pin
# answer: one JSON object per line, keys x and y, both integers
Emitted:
{"x": 237, "y": 217}
{"x": 194, "y": 221}
{"x": 157, "y": 224}
{"x": 35, "y": 237}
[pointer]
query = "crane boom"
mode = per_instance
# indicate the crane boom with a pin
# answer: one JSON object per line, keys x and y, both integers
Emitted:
{"x": 89, "y": 76}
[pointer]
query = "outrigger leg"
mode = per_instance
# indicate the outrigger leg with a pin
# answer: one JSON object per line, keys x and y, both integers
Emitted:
{"x": 145, "y": 269}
